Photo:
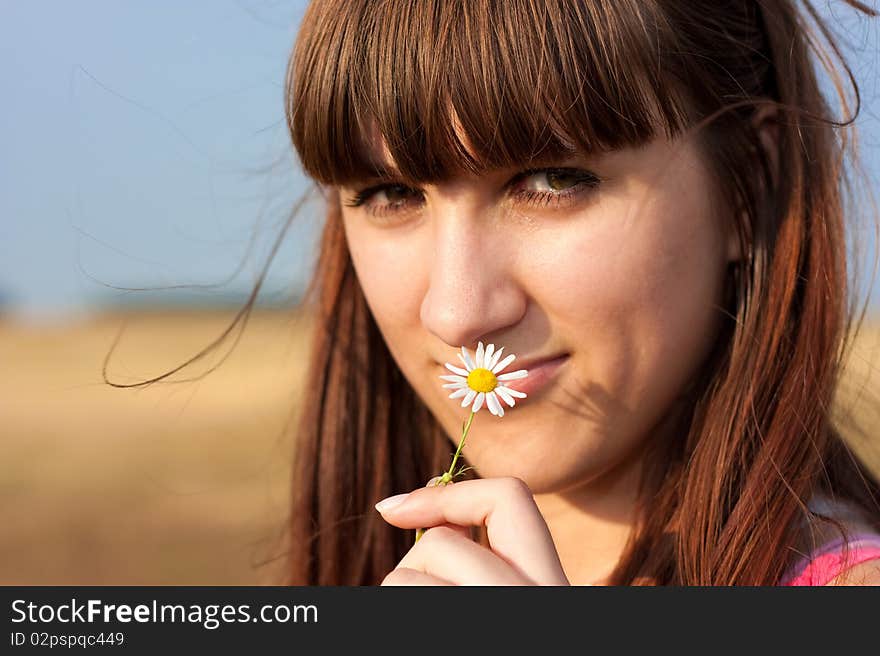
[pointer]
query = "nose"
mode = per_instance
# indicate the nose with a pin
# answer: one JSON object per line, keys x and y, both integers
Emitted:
{"x": 473, "y": 293}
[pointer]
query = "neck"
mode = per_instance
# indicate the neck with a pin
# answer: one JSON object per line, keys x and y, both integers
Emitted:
{"x": 592, "y": 523}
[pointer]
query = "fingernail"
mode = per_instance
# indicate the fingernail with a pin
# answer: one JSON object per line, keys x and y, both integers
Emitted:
{"x": 391, "y": 502}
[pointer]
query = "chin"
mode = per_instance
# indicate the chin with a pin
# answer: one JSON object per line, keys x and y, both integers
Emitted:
{"x": 540, "y": 478}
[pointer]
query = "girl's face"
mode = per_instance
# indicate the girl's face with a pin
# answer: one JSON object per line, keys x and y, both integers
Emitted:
{"x": 616, "y": 260}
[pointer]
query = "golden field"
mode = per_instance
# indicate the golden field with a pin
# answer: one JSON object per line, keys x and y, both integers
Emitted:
{"x": 181, "y": 483}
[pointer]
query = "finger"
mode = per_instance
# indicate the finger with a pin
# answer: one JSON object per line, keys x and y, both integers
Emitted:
{"x": 447, "y": 555}
{"x": 516, "y": 530}
{"x": 464, "y": 531}
{"x": 407, "y": 576}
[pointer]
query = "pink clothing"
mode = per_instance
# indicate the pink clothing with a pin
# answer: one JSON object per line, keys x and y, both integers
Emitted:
{"x": 825, "y": 563}
{"x": 831, "y": 560}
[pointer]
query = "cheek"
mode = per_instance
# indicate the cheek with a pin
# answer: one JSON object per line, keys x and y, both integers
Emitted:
{"x": 391, "y": 277}
{"x": 641, "y": 295}
{"x": 390, "y": 274}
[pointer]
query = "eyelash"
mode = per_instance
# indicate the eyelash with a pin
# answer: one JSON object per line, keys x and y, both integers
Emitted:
{"x": 584, "y": 181}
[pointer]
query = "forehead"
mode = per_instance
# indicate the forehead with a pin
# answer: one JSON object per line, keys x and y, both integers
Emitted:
{"x": 526, "y": 80}
{"x": 375, "y": 151}
{"x": 375, "y": 147}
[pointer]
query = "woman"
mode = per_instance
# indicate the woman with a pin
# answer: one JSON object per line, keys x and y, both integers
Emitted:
{"x": 646, "y": 197}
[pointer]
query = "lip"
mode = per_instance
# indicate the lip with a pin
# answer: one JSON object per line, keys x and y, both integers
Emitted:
{"x": 541, "y": 372}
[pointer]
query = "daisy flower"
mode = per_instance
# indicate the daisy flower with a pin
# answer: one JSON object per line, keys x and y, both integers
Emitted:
{"x": 482, "y": 381}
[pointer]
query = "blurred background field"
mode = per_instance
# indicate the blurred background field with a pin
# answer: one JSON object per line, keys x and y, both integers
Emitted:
{"x": 173, "y": 484}
{"x": 169, "y": 484}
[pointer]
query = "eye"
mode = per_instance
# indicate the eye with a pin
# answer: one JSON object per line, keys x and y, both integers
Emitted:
{"x": 396, "y": 199}
{"x": 536, "y": 187}
{"x": 553, "y": 186}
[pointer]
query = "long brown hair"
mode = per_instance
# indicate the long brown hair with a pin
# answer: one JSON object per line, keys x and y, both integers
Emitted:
{"x": 725, "y": 503}
{"x": 528, "y": 79}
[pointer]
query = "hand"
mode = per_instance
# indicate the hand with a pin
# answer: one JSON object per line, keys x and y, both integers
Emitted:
{"x": 521, "y": 549}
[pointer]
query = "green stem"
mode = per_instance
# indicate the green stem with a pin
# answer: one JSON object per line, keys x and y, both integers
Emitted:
{"x": 467, "y": 427}
{"x": 449, "y": 474}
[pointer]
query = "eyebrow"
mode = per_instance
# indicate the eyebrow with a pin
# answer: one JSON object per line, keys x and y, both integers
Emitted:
{"x": 380, "y": 170}
{"x": 377, "y": 170}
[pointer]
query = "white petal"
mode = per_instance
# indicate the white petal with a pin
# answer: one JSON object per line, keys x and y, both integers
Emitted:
{"x": 467, "y": 359}
{"x": 500, "y": 412}
{"x": 506, "y": 361}
{"x": 516, "y": 393}
{"x": 494, "y": 406}
{"x": 478, "y": 359}
{"x": 453, "y": 379}
{"x": 457, "y": 394}
{"x": 488, "y": 356}
{"x": 470, "y": 397}
{"x": 455, "y": 385}
{"x": 495, "y": 358}
{"x": 504, "y": 393}
{"x": 456, "y": 370}
{"x": 513, "y": 375}
{"x": 469, "y": 364}
{"x": 478, "y": 402}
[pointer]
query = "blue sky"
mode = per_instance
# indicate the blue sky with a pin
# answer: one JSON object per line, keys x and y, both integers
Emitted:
{"x": 143, "y": 145}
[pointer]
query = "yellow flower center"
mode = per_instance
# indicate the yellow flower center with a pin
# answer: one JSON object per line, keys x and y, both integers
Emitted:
{"x": 482, "y": 380}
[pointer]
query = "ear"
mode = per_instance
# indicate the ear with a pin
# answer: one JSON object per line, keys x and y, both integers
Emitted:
{"x": 765, "y": 123}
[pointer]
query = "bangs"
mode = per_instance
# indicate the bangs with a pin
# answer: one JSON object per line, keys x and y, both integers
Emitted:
{"x": 462, "y": 88}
